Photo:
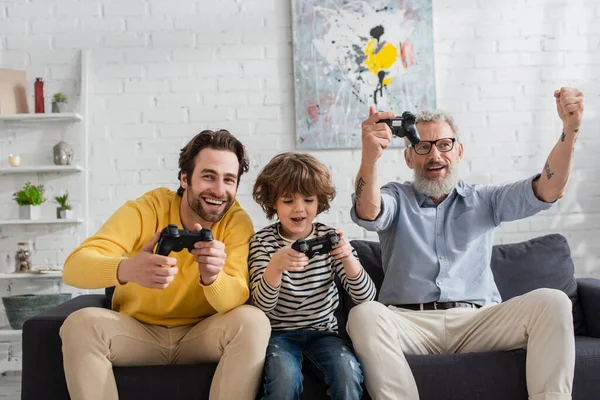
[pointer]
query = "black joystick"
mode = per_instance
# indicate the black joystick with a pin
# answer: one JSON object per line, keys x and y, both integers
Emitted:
{"x": 174, "y": 239}
{"x": 404, "y": 126}
{"x": 318, "y": 245}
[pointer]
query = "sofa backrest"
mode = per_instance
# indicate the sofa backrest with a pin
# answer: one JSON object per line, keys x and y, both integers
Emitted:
{"x": 542, "y": 262}
{"x": 369, "y": 254}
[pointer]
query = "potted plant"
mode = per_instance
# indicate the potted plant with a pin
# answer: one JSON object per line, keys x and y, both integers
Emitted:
{"x": 59, "y": 101}
{"x": 64, "y": 211}
{"x": 29, "y": 199}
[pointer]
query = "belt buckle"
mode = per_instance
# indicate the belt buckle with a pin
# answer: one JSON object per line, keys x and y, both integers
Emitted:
{"x": 435, "y": 304}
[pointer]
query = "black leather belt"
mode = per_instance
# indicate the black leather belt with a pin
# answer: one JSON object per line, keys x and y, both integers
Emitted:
{"x": 434, "y": 305}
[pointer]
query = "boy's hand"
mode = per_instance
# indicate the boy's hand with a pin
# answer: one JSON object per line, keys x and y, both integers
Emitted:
{"x": 288, "y": 259}
{"x": 342, "y": 249}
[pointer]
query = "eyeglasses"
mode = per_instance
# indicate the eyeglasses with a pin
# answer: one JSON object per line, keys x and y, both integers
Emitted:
{"x": 443, "y": 145}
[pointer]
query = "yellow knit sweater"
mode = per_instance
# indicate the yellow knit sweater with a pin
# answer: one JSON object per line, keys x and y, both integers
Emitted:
{"x": 93, "y": 265}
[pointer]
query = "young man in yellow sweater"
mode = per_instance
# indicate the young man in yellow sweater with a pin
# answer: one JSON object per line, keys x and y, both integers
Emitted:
{"x": 177, "y": 309}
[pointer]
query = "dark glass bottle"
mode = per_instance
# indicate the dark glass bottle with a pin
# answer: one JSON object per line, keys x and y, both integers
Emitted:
{"x": 39, "y": 95}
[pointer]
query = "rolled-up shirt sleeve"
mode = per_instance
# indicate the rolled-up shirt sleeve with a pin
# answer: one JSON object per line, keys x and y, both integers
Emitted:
{"x": 389, "y": 209}
{"x": 515, "y": 201}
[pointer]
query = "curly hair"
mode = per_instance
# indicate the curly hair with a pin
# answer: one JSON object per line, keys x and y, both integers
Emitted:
{"x": 288, "y": 174}
{"x": 217, "y": 140}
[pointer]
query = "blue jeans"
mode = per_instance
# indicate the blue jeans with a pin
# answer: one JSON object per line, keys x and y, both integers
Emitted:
{"x": 324, "y": 355}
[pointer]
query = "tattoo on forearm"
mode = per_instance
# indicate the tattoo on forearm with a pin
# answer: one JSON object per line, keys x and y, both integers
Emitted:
{"x": 563, "y": 136}
{"x": 359, "y": 188}
{"x": 548, "y": 172}
{"x": 575, "y": 140}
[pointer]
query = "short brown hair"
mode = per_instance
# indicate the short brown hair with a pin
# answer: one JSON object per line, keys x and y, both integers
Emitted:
{"x": 216, "y": 140}
{"x": 290, "y": 173}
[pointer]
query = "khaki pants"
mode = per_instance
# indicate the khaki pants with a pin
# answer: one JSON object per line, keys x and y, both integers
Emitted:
{"x": 541, "y": 320}
{"x": 95, "y": 339}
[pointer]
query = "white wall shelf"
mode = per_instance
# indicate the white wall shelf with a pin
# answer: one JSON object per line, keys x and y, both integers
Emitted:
{"x": 58, "y": 126}
{"x": 48, "y": 117}
{"x": 31, "y": 275}
{"x": 13, "y": 365}
{"x": 40, "y": 221}
{"x": 6, "y": 332}
{"x": 26, "y": 169}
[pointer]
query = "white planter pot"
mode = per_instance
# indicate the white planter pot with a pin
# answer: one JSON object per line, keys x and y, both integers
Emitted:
{"x": 59, "y": 107}
{"x": 30, "y": 212}
{"x": 65, "y": 214}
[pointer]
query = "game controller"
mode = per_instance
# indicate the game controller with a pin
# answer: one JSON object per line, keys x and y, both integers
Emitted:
{"x": 318, "y": 245}
{"x": 404, "y": 126}
{"x": 174, "y": 239}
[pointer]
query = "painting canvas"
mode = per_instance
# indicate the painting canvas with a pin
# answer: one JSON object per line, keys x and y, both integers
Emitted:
{"x": 349, "y": 55}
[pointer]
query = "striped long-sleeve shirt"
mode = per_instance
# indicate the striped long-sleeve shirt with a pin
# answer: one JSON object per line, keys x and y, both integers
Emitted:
{"x": 305, "y": 299}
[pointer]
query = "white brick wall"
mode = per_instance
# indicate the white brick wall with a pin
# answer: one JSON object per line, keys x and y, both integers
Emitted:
{"x": 164, "y": 70}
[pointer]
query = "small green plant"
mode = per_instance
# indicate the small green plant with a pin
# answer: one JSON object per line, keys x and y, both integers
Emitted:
{"x": 63, "y": 201}
{"x": 30, "y": 195}
{"x": 59, "y": 97}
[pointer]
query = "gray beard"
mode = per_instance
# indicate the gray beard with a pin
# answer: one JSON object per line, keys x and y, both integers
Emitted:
{"x": 434, "y": 189}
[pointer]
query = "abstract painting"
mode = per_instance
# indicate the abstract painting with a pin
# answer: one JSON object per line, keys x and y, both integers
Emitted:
{"x": 351, "y": 54}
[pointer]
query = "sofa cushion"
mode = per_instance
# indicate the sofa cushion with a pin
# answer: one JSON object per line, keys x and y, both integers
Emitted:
{"x": 587, "y": 368}
{"x": 497, "y": 375}
{"x": 542, "y": 262}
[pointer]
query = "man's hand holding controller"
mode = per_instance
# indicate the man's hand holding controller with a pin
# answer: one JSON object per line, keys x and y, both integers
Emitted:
{"x": 376, "y": 136}
{"x": 148, "y": 269}
{"x": 210, "y": 256}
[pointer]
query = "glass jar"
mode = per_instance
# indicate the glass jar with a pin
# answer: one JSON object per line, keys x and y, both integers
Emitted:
{"x": 23, "y": 258}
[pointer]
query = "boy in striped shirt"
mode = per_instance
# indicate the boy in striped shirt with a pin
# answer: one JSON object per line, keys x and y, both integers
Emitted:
{"x": 297, "y": 294}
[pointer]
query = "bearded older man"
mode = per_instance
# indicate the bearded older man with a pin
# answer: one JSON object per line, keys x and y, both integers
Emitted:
{"x": 436, "y": 233}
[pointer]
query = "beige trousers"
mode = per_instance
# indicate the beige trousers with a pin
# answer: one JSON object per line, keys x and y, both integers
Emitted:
{"x": 95, "y": 339}
{"x": 541, "y": 320}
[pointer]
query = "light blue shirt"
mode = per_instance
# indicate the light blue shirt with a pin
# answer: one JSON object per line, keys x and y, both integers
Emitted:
{"x": 442, "y": 253}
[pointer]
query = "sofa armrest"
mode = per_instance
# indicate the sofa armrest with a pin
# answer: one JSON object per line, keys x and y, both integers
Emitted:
{"x": 63, "y": 310}
{"x": 589, "y": 297}
{"x": 43, "y": 376}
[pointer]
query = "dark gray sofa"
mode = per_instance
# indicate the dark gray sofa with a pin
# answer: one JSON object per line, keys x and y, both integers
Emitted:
{"x": 518, "y": 268}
